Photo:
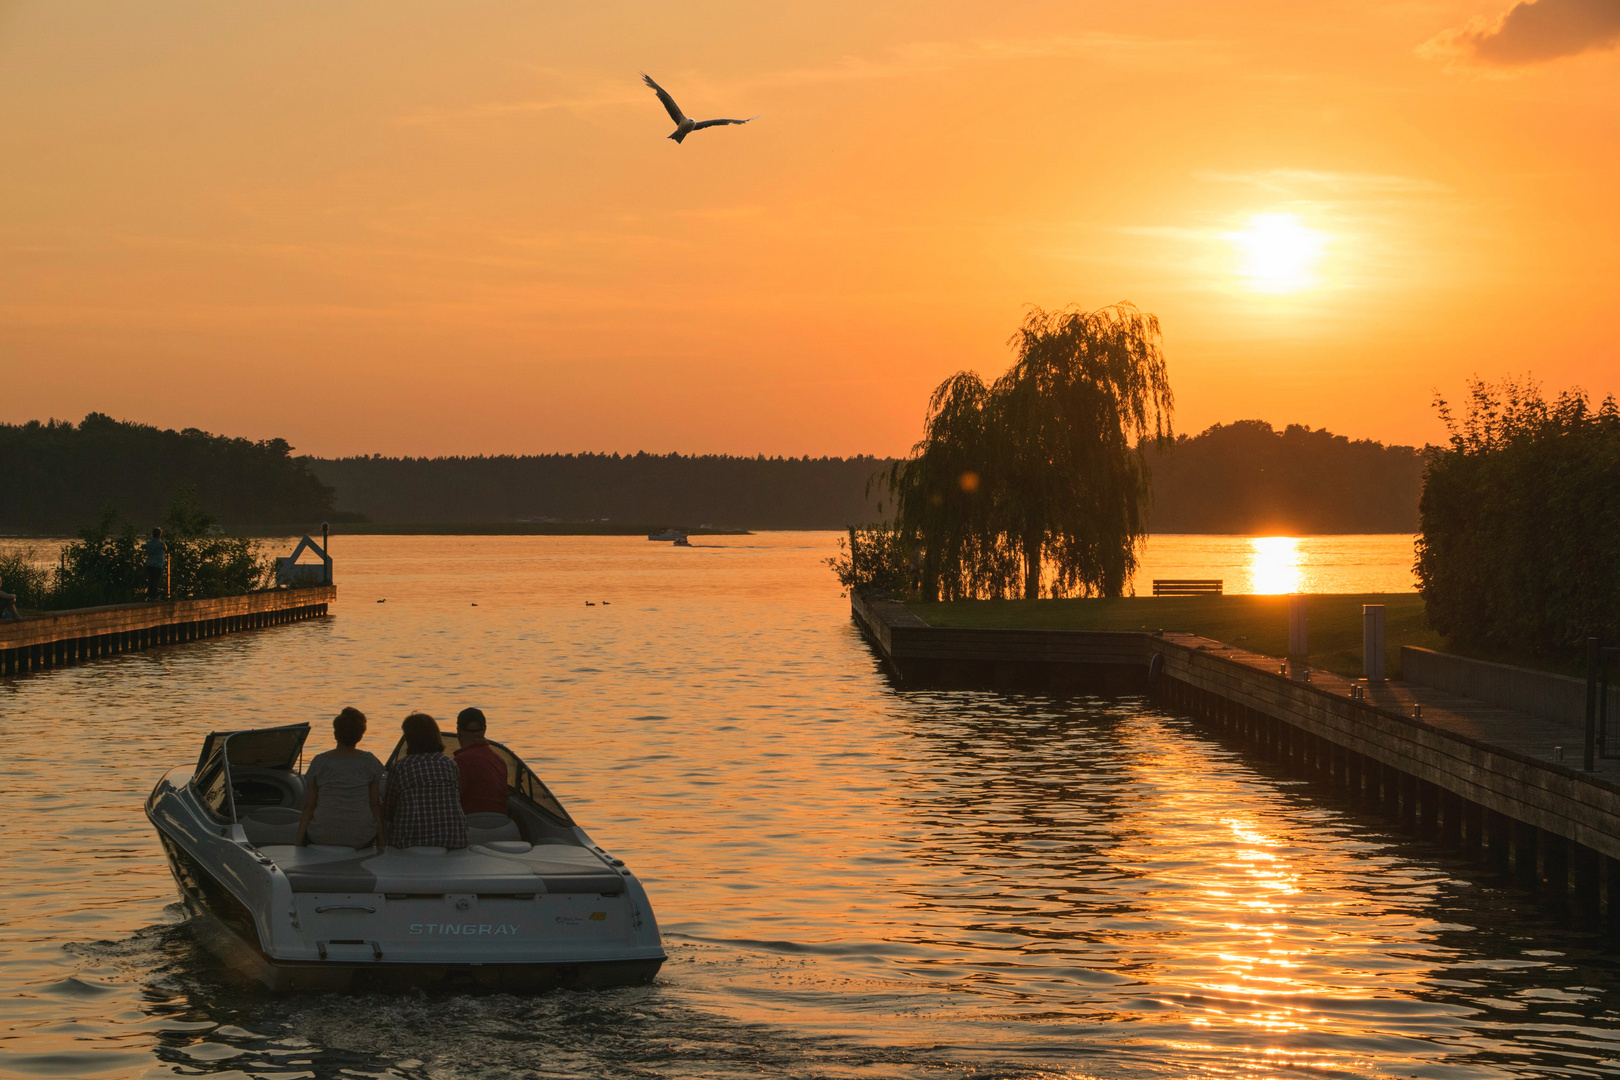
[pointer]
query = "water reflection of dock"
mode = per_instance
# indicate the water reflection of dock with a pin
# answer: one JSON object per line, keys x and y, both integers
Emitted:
{"x": 68, "y": 637}
{"x": 1481, "y": 778}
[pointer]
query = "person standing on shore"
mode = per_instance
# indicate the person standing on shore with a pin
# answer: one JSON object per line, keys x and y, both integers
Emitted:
{"x": 157, "y": 567}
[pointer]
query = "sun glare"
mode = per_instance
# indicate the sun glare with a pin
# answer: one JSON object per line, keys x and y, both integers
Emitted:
{"x": 1274, "y": 564}
{"x": 1279, "y": 254}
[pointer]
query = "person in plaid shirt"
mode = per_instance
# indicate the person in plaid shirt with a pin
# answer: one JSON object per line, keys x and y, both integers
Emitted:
{"x": 424, "y": 791}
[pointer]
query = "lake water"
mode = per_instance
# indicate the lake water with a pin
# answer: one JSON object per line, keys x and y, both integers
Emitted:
{"x": 853, "y": 880}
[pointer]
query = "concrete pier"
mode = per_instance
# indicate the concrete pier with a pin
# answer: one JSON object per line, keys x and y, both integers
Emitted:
{"x": 68, "y": 637}
{"x": 1445, "y": 766}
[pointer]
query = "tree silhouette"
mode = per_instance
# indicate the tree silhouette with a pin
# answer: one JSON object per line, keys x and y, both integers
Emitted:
{"x": 1520, "y": 543}
{"x": 1039, "y": 482}
{"x": 1071, "y": 413}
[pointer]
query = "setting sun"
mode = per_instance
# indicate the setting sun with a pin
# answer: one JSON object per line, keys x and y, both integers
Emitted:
{"x": 1279, "y": 254}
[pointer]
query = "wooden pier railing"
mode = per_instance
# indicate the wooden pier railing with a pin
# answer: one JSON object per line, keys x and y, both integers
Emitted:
{"x": 68, "y": 637}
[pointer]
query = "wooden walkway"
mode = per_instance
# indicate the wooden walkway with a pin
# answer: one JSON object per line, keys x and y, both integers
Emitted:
{"x": 68, "y": 637}
{"x": 1483, "y": 779}
{"x": 1547, "y": 740}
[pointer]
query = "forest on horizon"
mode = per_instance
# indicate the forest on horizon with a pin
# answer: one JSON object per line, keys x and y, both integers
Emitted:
{"x": 1243, "y": 477}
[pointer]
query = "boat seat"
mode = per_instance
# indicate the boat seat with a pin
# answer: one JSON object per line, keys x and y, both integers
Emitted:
{"x": 552, "y": 868}
{"x": 270, "y": 825}
{"x": 484, "y": 827}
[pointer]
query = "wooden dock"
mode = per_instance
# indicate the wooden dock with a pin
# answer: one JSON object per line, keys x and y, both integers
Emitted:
{"x": 69, "y": 637}
{"x": 1484, "y": 779}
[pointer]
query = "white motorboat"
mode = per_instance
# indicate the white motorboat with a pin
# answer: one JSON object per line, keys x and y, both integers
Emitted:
{"x": 531, "y": 902}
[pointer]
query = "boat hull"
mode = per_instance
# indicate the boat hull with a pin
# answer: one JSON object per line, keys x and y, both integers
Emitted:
{"x": 242, "y": 910}
{"x": 248, "y": 962}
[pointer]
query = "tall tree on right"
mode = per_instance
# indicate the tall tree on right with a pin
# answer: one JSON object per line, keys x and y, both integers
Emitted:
{"x": 1519, "y": 548}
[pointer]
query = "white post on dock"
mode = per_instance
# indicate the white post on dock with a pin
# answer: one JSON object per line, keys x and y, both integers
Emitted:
{"x": 1372, "y": 642}
{"x": 1298, "y": 646}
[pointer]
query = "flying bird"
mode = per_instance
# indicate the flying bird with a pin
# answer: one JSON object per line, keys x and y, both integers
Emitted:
{"x": 684, "y": 125}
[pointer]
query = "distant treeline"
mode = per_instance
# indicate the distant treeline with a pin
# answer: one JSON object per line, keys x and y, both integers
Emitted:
{"x": 1247, "y": 477}
{"x": 755, "y": 493}
{"x": 58, "y": 477}
{"x": 1233, "y": 478}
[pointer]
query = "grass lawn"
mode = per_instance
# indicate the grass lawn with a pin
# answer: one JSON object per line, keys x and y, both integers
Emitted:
{"x": 1257, "y": 623}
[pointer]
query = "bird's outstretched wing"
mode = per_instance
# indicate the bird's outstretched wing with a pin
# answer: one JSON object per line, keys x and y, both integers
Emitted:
{"x": 675, "y": 113}
{"x": 701, "y": 124}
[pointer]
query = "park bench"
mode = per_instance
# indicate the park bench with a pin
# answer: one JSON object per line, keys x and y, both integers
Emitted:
{"x": 1187, "y": 586}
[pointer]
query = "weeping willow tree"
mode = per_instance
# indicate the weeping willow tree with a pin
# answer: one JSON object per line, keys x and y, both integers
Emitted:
{"x": 1038, "y": 482}
{"x": 1074, "y": 412}
{"x": 944, "y": 513}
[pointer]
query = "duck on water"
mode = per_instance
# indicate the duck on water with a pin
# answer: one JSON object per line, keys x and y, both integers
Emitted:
{"x": 530, "y": 902}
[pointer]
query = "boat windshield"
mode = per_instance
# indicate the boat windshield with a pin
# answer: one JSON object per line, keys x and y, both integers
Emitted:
{"x": 260, "y": 748}
{"x": 519, "y": 777}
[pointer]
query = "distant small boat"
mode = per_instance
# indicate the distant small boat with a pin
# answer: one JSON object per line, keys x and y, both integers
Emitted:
{"x": 682, "y": 541}
{"x": 668, "y": 534}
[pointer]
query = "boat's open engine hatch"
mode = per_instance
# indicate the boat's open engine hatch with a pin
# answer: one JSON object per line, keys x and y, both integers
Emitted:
{"x": 232, "y": 757}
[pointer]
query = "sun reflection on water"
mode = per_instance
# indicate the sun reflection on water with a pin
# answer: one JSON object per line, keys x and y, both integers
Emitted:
{"x": 1274, "y": 564}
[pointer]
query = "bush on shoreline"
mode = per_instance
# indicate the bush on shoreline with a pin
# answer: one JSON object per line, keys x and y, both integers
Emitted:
{"x": 107, "y": 563}
{"x": 22, "y": 575}
{"x": 1520, "y": 541}
{"x": 874, "y": 557}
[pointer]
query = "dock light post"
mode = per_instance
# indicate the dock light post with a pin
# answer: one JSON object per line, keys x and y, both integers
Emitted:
{"x": 1372, "y": 642}
{"x": 1298, "y": 647}
{"x": 1594, "y": 660}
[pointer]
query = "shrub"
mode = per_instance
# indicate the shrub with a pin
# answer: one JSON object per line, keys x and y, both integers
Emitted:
{"x": 205, "y": 563}
{"x": 107, "y": 563}
{"x": 874, "y": 557}
{"x": 1520, "y": 522}
{"x": 23, "y": 575}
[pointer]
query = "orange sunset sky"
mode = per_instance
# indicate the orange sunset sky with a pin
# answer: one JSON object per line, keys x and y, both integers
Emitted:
{"x": 424, "y": 228}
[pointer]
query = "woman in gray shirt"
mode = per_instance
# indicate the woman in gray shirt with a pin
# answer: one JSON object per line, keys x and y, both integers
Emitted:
{"x": 342, "y": 806}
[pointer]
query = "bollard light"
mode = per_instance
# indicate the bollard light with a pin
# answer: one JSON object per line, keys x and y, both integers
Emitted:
{"x": 1297, "y": 643}
{"x": 1372, "y": 642}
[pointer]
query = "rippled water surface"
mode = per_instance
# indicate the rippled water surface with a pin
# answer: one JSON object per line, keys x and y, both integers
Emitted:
{"x": 853, "y": 880}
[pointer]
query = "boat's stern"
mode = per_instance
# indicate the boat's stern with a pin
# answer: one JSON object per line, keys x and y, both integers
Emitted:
{"x": 548, "y": 915}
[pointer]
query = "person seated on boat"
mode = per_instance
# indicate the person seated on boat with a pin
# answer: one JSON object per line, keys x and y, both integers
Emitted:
{"x": 423, "y": 807}
{"x": 483, "y": 773}
{"x": 343, "y": 806}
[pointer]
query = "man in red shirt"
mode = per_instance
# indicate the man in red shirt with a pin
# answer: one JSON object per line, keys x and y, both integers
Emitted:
{"x": 483, "y": 771}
